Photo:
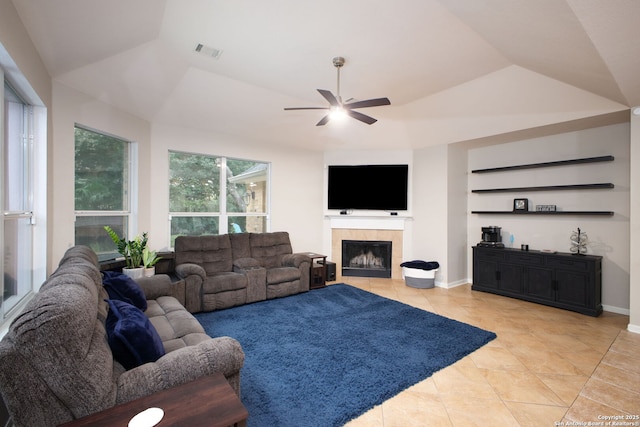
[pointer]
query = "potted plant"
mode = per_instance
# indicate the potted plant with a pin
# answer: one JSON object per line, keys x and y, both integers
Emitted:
{"x": 149, "y": 260}
{"x": 131, "y": 250}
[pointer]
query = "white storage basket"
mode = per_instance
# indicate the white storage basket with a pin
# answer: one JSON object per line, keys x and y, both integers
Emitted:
{"x": 418, "y": 278}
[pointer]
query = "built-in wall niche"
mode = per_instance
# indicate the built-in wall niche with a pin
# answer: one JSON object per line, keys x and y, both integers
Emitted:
{"x": 562, "y": 187}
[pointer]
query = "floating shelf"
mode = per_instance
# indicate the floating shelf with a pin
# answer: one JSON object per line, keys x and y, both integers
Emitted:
{"x": 547, "y": 188}
{"x": 547, "y": 164}
{"x": 599, "y": 213}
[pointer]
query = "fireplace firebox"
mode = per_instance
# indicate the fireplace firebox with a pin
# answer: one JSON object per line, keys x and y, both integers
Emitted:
{"x": 366, "y": 258}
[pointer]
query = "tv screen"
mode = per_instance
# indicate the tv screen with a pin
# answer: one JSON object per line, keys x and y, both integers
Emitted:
{"x": 371, "y": 187}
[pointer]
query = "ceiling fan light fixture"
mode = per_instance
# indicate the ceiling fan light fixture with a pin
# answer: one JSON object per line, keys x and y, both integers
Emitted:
{"x": 337, "y": 113}
{"x": 337, "y": 109}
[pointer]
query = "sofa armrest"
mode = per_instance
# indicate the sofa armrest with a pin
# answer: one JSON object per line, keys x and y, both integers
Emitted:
{"x": 194, "y": 277}
{"x": 295, "y": 260}
{"x": 222, "y": 354}
{"x": 160, "y": 285}
{"x": 189, "y": 269}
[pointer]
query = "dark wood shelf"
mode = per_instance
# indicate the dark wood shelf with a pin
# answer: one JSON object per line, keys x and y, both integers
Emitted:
{"x": 547, "y": 164}
{"x": 599, "y": 186}
{"x": 598, "y": 213}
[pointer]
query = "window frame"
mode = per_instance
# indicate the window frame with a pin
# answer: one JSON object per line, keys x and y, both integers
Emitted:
{"x": 36, "y": 181}
{"x": 222, "y": 214}
{"x": 131, "y": 214}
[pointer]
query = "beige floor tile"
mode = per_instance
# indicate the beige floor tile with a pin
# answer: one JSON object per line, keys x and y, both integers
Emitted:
{"x": 523, "y": 387}
{"x": 612, "y": 395}
{"x": 478, "y": 412}
{"x": 463, "y": 381}
{"x": 531, "y": 415}
{"x": 619, "y": 377}
{"x": 423, "y": 411}
{"x": 586, "y": 411}
{"x": 566, "y": 387}
{"x": 493, "y": 357}
{"x": 622, "y": 361}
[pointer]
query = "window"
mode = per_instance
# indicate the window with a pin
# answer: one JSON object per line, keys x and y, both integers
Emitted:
{"x": 102, "y": 189}
{"x": 17, "y": 201}
{"x": 216, "y": 195}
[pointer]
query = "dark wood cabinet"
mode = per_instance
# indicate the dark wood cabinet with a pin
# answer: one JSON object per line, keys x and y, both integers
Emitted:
{"x": 572, "y": 282}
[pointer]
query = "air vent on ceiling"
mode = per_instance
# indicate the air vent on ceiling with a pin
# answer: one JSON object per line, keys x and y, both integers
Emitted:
{"x": 208, "y": 51}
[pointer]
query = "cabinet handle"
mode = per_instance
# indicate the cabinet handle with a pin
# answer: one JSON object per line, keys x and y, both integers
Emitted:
{"x": 497, "y": 275}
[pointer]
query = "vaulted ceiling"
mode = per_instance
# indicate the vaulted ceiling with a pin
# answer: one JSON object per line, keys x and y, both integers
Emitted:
{"x": 454, "y": 70}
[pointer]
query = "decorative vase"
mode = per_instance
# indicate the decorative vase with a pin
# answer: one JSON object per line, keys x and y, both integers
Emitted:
{"x": 134, "y": 273}
{"x": 149, "y": 271}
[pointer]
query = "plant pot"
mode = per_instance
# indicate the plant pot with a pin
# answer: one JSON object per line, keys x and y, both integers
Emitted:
{"x": 149, "y": 271}
{"x": 134, "y": 273}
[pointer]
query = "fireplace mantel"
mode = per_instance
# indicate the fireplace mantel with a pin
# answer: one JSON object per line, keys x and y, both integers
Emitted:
{"x": 369, "y": 222}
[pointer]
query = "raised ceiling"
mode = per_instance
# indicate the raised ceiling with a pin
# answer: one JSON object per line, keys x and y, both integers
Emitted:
{"x": 454, "y": 70}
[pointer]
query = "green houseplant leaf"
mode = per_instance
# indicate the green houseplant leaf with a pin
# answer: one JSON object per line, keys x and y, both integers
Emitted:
{"x": 149, "y": 258}
{"x": 131, "y": 250}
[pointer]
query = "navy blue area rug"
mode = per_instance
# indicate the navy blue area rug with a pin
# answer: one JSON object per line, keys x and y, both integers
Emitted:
{"x": 326, "y": 356}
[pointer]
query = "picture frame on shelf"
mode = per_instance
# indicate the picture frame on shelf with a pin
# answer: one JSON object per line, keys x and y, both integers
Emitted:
{"x": 520, "y": 205}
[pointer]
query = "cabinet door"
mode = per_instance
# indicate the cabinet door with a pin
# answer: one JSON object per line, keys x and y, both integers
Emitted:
{"x": 485, "y": 274}
{"x": 540, "y": 283}
{"x": 572, "y": 288}
{"x": 511, "y": 278}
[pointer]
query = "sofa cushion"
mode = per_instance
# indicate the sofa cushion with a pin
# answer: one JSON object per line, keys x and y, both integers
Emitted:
{"x": 123, "y": 288}
{"x": 222, "y": 282}
{"x": 132, "y": 338}
{"x": 176, "y": 327}
{"x": 213, "y": 253}
{"x": 282, "y": 274}
{"x": 268, "y": 248}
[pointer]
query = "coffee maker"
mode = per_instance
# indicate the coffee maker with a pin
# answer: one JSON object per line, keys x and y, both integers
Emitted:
{"x": 491, "y": 237}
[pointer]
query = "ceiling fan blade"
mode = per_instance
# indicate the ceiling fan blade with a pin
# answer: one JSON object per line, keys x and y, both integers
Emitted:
{"x": 333, "y": 101}
{"x": 359, "y": 116}
{"x": 368, "y": 103}
{"x": 324, "y": 121}
{"x": 306, "y": 108}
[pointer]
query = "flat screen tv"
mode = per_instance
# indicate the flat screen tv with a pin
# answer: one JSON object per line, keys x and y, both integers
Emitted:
{"x": 368, "y": 187}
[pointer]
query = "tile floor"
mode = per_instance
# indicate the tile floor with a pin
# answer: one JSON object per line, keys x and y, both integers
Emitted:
{"x": 548, "y": 367}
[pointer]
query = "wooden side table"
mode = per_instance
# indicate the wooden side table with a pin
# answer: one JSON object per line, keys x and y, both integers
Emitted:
{"x": 209, "y": 401}
{"x": 317, "y": 273}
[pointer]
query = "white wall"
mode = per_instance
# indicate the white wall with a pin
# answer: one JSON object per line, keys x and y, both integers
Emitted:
{"x": 71, "y": 107}
{"x": 609, "y": 236}
{"x": 430, "y": 208}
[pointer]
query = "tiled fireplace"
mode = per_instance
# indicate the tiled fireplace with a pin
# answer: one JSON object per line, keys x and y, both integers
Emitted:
{"x": 383, "y": 230}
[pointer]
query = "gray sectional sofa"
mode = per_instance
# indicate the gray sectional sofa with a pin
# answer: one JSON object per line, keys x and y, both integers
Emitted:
{"x": 56, "y": 364}
{"x": 227, "y": 270}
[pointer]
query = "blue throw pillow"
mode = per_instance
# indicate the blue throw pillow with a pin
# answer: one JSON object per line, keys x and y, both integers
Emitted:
{"x": 123, "y": 288}
{"x": 132, "y": 338}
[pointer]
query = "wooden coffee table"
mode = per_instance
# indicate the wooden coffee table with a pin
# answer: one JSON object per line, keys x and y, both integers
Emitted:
{"x": 209, "y": 401}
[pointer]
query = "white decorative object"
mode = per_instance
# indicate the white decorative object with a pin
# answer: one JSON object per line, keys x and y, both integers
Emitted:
{"x": 579, "y": 240}
{"x": 134, "y": 273}
{"x": 147, "y": 418}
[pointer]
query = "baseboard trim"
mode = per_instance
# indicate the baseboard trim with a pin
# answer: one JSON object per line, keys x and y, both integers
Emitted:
{"x": 614, "y": 309}
{"x": 633, "y": 328}
{"x": 451, "y": 284}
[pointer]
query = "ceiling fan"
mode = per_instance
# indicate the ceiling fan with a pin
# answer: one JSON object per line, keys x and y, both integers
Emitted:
{"x": 337, "y": 107}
